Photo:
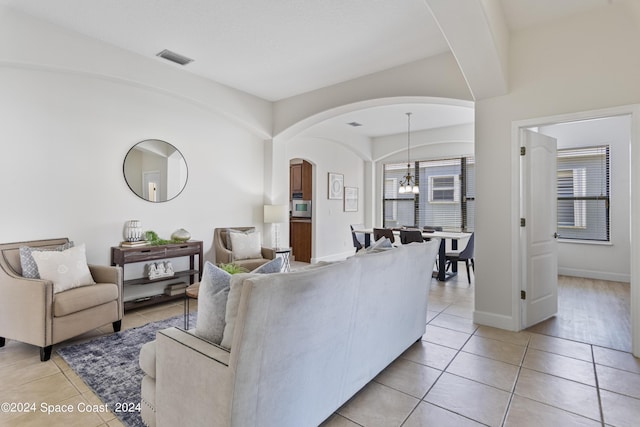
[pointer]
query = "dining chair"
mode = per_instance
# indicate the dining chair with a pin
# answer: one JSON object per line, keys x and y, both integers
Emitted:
{"x": 383, "y": 232}
{"x": 465, "y": 255}
{"x": 409, "y": 236}
{"x": 358, "y": 238}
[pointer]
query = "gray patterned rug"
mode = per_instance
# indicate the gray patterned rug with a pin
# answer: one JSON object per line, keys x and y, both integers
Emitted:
{"x": 109, "y": 364}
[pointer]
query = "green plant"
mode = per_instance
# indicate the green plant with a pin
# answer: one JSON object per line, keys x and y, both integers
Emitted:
{"x": 153, "y": 239}
{"x": 233, "y": 268}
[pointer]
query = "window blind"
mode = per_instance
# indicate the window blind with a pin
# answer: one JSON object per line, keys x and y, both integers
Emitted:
{"x": 446, "y": 198}
{"x": 583, "y": 193}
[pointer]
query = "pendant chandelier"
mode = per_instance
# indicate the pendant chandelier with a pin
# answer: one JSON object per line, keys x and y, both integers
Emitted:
{"x": 408, "y": 183}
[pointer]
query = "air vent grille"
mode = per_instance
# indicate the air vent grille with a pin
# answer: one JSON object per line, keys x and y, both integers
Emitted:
{"x": 174, "y": 57}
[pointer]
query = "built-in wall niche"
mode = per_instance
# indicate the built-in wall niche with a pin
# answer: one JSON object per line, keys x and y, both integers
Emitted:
{"x": 155, "y": 170}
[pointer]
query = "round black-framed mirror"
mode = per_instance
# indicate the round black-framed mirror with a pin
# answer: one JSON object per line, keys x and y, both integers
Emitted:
{"x": 155, "y": 170}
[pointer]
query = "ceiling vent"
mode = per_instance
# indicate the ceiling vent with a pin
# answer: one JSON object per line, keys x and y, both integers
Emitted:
{"x": 174, "y": 57}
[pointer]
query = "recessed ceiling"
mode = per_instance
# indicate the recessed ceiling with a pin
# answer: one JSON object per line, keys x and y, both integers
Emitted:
{"x": 392, "y": 119}
{"x": 278, "y": 48}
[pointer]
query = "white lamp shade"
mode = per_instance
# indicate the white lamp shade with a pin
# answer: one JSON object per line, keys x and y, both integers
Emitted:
{"x": 274, "y": 214}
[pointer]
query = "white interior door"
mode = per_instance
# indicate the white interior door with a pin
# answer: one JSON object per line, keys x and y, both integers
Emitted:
{"x": 539, "y": 233}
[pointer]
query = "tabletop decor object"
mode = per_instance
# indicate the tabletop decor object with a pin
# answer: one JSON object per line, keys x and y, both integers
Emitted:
{"x": 181, "y": 235}
{"x": 158, "y": 270}
{"x": 133, "y": 231}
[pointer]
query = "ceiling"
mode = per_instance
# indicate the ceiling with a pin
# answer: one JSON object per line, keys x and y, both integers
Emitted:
{"x": 281, "y": 48}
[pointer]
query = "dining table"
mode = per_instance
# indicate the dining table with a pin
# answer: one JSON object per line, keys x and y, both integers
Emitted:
{"x": 441, "y": 273}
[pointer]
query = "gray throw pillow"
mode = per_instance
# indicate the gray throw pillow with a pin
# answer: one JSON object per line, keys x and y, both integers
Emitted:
{"x": 28, "y": 264}
{"x": 212, "y": 303}
{"x": 273, "y": 266}
{"x": 233, "y": 301}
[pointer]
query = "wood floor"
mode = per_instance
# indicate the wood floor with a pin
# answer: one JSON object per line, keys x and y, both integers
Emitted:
{"x": 591, "y": 311}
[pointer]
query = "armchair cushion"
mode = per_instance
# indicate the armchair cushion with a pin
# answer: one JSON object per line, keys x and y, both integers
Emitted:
{"x": 246, "y": 245}
{"x": 67, "y": 269}
{"x": 28, "y": 264}
{"x": 78, "y": 299}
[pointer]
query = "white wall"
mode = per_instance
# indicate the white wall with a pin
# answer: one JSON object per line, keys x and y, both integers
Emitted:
{"x": 72, "y": 107}
{"x": 600, "y": 261}
{"x": 331, "y": 237}
{"x": 579, "y": 64}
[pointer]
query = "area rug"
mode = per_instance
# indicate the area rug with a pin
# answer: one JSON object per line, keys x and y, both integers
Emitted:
{"x": 109, "y": 364}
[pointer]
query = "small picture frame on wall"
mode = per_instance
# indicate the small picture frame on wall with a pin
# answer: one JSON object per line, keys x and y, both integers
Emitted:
{"x": 351, "y": 199}
{"x": 336, "y": 186}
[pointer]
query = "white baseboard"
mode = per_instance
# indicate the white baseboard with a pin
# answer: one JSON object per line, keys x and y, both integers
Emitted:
{"x": 593, "y": 274}
{"x": 499, "y": 321}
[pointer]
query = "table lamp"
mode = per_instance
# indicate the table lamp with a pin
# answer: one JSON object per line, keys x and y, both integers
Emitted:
{"x": 276, "y": 214}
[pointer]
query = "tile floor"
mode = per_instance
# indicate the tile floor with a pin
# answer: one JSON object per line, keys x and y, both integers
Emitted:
{"x": 460, "y": 374}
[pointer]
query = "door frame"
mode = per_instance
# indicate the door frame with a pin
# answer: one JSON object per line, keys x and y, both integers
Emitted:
{"x": 634, "y": 206}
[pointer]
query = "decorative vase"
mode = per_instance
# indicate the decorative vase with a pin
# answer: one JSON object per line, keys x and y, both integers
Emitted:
{"x": 133, "y": 231}
{"x": 181, "y": 235}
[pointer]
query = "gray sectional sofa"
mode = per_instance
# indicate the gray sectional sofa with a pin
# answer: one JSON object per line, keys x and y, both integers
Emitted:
{"x": 304, "y": 343}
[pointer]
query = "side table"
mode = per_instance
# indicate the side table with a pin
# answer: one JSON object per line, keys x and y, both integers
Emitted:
{"x": 190, "y": 293}
{"x": 285, "y": 253}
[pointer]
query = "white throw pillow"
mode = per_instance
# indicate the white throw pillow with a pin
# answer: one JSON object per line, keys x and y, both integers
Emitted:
{"x": 233, "y": 230}
{"x": 28, "y": 264}
{"x": 246, "y": 246}
{"x": 66, "y": 269}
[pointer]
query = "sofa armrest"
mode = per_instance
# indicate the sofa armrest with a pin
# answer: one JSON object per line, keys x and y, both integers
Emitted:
{"x": 223, "y": 255}
{"x": 106, "y": 274}
{"x": 191, "y": 373}
{"x": 268, "y": 253}
{"x": 25, "y": 308}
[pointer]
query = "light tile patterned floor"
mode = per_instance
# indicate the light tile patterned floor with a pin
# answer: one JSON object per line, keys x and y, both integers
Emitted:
{"x": 459, "y": 374}
{"x": 462, "y": 374}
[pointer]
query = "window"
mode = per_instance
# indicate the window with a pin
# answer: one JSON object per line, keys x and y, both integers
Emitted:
{"x": 572, "y": 184}
{"x": 446, "y": 198}
{"x": 444, "y": 189}
{"x": 583, "y": 193}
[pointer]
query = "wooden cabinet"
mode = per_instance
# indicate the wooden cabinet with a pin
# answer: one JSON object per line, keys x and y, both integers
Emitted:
{"x": 300, "y": 239}
{"x": 300, "y": 180}
{"x": 121, "y": 256}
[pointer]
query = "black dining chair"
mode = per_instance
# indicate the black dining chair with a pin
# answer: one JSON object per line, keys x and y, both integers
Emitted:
{"x": 383, "y": 232}
{"x": 358, "y": 238}
{"x": 409, "y": 236}
{"x": 465, "y": 255}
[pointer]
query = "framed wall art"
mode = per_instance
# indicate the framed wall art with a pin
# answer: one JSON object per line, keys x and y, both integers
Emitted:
{"x": 351, "y": 199}
{"x": 336, "y": 186}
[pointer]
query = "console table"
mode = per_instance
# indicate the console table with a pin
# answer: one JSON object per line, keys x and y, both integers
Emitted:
{"x": 121, "y": 256}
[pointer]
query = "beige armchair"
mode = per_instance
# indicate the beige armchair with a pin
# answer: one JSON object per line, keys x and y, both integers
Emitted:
{"x": 226, "y": 255}
{"x": 30, "y": 312}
